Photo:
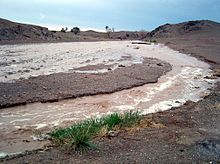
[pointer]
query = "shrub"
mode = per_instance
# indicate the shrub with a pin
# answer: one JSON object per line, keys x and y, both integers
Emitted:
{"x": 111, "y": 121}
{"x": 75, "y": 30}
{"x": 64, "y": 29}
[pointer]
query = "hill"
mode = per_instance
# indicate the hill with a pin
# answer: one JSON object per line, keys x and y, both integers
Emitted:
{"x": 12, "y": 32}
{"x": 199, "y": 38}
{"x": 17, "y": 32}
{"x": 185, "y": 28}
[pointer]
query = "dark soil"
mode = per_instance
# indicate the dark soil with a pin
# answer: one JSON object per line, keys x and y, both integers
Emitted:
{"x": 59, "y": 86}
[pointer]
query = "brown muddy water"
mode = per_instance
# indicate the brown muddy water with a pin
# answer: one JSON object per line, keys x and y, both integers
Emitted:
{"x": 20, "y": 125}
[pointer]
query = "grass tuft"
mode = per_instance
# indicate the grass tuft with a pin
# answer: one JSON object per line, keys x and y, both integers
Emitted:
{"x": 111, "y": 121}
{"x": 79, "y": 136}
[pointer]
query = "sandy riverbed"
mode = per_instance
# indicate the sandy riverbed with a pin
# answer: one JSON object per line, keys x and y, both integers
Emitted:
{"x": 185, "y": 82}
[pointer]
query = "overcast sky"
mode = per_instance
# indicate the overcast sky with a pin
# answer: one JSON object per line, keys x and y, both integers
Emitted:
{"x": 120, "y": 14}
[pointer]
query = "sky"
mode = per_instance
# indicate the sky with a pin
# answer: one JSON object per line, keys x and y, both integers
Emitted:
{"x": 131, "y": 15}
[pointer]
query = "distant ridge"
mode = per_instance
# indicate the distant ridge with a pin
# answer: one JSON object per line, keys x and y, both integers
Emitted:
{"x": 185, "y": 28}
{"x": 16, "y": 33}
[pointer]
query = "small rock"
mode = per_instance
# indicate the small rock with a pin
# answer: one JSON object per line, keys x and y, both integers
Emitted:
{"x": 216, "y": 72}
{"x": 35, "y": 68}
{"x": 10, "y": 73}
{"x": 204, "y": 94}
{"x": 26, "y": 70}
{"x": 210, "y": 77}
{"x": 87, "y": 61}
{"x": 159, "y": 64}
{"x": 13, "y": 61}
{"x": 137, "y": 47}
{"x": 109, "y": 69}
{"x": 120, "y": 65}
{"x": 112, "y": 133}
{"x": 41, "y": 137}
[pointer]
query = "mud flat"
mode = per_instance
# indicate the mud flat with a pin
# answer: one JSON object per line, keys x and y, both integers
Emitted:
{"x": 55, "y": 87}
{"x": 187, "y": 81}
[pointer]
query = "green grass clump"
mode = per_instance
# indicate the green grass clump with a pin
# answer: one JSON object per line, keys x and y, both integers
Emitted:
{"x": 80, "y": 135}
{"x": 111, "y": 121}
{"x": 130, "y": 119}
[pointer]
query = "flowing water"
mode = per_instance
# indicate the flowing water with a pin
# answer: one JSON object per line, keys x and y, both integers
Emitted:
{"x": 184, "y": 82}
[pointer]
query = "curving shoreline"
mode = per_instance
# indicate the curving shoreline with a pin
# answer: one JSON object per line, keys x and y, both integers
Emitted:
{"x": 59, "y": 86}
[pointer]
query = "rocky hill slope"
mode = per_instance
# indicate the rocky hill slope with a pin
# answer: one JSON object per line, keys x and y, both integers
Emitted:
{"x": 199, "y": 38}
{"x": 11, "y": 31}
{"x": 186, "y": 28}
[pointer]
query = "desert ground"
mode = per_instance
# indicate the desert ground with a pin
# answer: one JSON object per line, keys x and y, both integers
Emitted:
{"x": 175, "y": 86}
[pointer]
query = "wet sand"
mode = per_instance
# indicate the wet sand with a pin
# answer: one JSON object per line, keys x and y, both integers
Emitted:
{"x": 59, "y": 86}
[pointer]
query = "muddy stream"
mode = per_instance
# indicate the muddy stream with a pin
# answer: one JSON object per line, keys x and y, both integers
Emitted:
{"x": 20, "y": 125}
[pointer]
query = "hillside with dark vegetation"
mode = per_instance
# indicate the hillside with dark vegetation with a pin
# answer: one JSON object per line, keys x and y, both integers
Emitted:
{"x": 199, "y": 38}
